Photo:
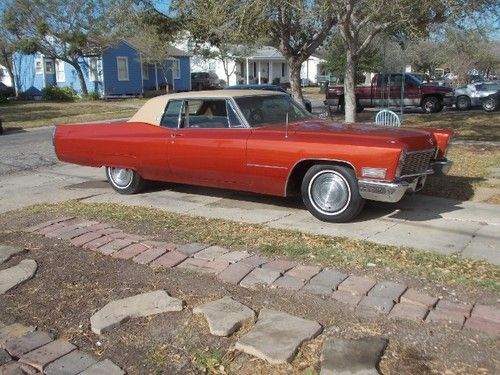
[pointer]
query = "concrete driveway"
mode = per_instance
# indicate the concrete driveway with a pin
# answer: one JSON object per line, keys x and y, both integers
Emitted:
{"x": 30, "y": 174}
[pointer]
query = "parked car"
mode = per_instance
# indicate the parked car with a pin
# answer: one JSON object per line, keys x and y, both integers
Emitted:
{"x": 6, "y": 91}
{"x": 385, "y": 90}
{"x": 491, "y": 102}
{"x": 268, "y": 87}
{"x": 262, "y": 142}
{"x": 473, "y": 94}
{"x": 205, "y": 81}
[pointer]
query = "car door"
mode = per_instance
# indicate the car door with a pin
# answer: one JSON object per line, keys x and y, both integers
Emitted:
{"x": 209, "y": 146}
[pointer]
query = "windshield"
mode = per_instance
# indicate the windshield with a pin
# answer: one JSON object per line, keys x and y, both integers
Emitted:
{"x": 263, "y": 110}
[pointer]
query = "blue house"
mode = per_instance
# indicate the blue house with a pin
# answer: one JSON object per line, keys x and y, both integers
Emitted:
{"x": 120, "y": 70}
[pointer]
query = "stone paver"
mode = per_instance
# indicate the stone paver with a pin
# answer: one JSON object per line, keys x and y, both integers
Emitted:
{"x": 98, "y": 242}
{"x": 225, "y": 315}
{"x": 149, "y": 255}
{"x": 277, "y": 335}
{"x": 70, "y": 225}
{"x": 50, "y": 228}
{"x": 13, "y": 331}
{"x": 304, "y": 273}
{"x": 443, "y": 315}
{"x": 461, "y": 308}
{"x": 357, "y": 285}
{"x": 486, "y": 312}
{"x": 345, "y": 357}
{"x": 281, "y": 265}
{"x": 38, "y": 227}
{"x": 379, "y": 304}
{"x": 211, "y": 253}
{"x": 13, "y": 276}
{"x": 346, "y": 297}
{"x": 113, "y": 246}
{"x": 489, "y": 327}
{"x": 409, "y": 312}
{"x": 91, "y": 236}
{"x": 41, "y": 357}
{"x": 388, "y": 289}
{"x": 169, "y": 260}
{"x": 192, "y": 248}
{"x": 7, "y": 252}
{"x": 260, "y": 276}
{"x": 71, "y": 364}
{"x": 11, "y": 368}
{"x": 130, "y": 251}
{"x": 324, "y": 282}
{"x": 235, "y": 256}
{"x": 235, "y": 272}
{"x": 288, "y": 282}
{"x": 89, "y": 227}
{"x": 4, "y": 357}
{"x": 254, "y": 260}
{"x": 414, "y": 297}
{"x": 146, "y": 304}
{"x": 105, "y": 367}
{"x": 27, "y": 343}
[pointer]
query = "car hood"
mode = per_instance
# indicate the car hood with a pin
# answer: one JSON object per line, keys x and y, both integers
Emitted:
{"x": 357, "y": 133}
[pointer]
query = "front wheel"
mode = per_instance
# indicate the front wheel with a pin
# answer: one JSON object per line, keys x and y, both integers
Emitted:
{"x": 490, "y": 104}
{"x": 431, "y": 104}
{"x": 463, "y": 103}
{"x": 331, "y": 193}
{"x": 124, "y": 181}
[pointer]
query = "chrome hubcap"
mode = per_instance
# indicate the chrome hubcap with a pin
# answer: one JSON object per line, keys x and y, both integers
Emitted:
{"x": 329, "y": 192}
{"x": 121, "y": 177}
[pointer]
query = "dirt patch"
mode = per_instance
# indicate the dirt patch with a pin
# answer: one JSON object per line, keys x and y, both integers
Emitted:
{"x": 72, "y": 283}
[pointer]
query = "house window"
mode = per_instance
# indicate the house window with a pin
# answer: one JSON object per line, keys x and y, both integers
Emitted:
{"x": 282, "y": 69}
{"x": 38, "y": 66}
{"x": 95, "y": 67}
{"x": 176, "y": 69}
{"x": 145, "y": 71}
{"x": 49, "y": 67}
{"x": 122, "y": 68}
{"x": 254, "y": 69}
{"x": 60, "y": 74}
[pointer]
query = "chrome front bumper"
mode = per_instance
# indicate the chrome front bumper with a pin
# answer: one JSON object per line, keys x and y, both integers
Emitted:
{"x": 393, "y": 191}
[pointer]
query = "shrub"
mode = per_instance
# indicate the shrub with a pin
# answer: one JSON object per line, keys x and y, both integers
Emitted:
{"x": 3, "y": 99}
{"x": 93, "y": 95}
{"x": 58, "y": 93}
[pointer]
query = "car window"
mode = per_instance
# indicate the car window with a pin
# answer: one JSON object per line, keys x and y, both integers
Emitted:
{"x": 270, "y": 109}
{"x": 170, "y": 118}
{"x": 208, "y": 114}
{"x": 488, "y": 87}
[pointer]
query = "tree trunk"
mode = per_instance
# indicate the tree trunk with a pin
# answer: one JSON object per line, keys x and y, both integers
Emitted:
{"x": 81, "y": 78}
{"x": 295, "y": 79}
{"x": 349, "y": 87}
{"x": 7, "y": 59}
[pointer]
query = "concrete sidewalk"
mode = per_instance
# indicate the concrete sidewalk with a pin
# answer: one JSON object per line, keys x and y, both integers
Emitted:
{"x": 435, "y": 224}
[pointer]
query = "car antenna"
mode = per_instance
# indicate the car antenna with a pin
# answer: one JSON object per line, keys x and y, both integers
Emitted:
{"x": 286, "y": 125}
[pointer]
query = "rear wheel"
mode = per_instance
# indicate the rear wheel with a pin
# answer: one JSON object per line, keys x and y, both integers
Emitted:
{"x": 463, "y": 103}
{"x": 124, "y": 181}
{"x": 331, "y": 193}
{"x": 490, "y": 104}
{"x": 431, "y": 104}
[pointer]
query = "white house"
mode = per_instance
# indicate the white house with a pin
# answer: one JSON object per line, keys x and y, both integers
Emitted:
{"x": 4, "y": 76}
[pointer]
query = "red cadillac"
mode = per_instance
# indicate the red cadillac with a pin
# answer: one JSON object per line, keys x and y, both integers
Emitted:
{"x": 258, "y": 141}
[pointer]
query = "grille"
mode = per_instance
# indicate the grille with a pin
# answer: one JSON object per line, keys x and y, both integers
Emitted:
{"x": 417, "y": 162}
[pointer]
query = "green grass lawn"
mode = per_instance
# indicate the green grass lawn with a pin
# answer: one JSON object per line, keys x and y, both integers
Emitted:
{"x": 32, "y": 114}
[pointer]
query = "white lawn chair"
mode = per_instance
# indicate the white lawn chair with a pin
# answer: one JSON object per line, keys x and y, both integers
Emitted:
{"x": 387, "y": 118}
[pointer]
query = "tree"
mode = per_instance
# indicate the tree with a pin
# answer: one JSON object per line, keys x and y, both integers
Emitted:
{"x": 6, "y": 54}
{"x": 63, "y": 30}
{"x": 296, "y": 27}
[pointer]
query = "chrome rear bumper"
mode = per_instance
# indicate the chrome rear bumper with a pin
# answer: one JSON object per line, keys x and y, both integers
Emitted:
{"x": 393, "y": 191}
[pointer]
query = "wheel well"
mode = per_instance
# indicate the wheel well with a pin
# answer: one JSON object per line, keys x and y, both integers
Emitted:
{"x": 437, "y": 96}
{"x": 299, "y": 170}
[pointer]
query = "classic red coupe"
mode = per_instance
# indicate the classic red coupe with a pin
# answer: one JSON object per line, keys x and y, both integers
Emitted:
{"x": 261, "y": 142}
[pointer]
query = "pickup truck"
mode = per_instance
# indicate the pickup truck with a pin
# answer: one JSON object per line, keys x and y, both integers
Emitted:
{"x": 385, "y": 91}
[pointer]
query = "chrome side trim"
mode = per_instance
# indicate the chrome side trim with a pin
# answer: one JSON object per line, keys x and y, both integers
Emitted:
{"x": 265, "y": 166}
{"x": 428, "y": 171}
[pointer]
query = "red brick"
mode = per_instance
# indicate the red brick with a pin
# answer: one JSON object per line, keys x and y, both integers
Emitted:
{"x": 280, "y": 265}
{"x": 304, "y": 273}
{"x": 67, "y": 226}
{"x": 489, "y": 327}
{"x": 169, "y": 260}
{"x": 50, "y": 228}
{"x": 88, "y": 237}
{"x": 37, "y": 227}
{"x": 203, "y": 265}
{"x": 235, "y": 272}
{"x": 98, "y": 242}
{"x": 346, "y": 297}
{"x": 409, "y": 311}
{"x": 27, "y": 343}
{"x": 130, "y": 251}
{"x": 90, "y": 227}
{"x": 464, "y": 309}
{"x": 487, "y": 312}
{"x": 113, "y": 246}
{"x": 443, "y": 315}
{"x": 149, "y": 255}
{"x": 41, "y": 357}
{"x": 414, "y": 297}
{"x": 357, "y": 285}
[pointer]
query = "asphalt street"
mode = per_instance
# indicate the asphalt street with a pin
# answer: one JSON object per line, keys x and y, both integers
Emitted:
{"x": 30, "y": 173}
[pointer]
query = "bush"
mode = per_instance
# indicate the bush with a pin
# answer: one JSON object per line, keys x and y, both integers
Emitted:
{"x": 3, "y": 99}
{"x": 93, "y": 95}
{"x": 58, "y": 93}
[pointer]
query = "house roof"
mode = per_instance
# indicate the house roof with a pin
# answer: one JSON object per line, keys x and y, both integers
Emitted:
{"x": 172, "y": 51}
{"x": 269, "y": 53}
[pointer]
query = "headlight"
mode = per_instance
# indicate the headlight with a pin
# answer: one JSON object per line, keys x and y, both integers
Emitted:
{"x": 401, "y": 161}
{"x": 374, "y": 172}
